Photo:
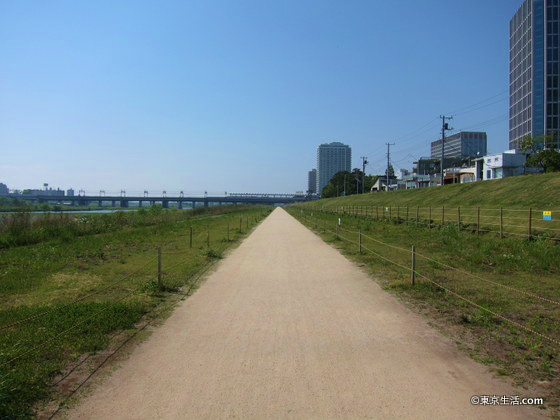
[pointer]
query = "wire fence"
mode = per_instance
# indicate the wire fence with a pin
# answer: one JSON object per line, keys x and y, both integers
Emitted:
{"x": 527, "y": 223}
{"x": 409, "y": 259}
{"x": 169, "y": 269}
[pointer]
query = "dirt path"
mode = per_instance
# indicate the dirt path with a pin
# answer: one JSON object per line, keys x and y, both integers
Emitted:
{"x": 287, "y": 328}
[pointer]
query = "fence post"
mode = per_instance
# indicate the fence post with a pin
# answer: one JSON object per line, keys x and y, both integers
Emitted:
{"x": 240, "y": 221}
{"x": 360, "y": 238}
{"x": 159, "y": 281}
{"x": 390, "y": 215}
{"x": 247, "y": 221}
{"x": 407, "y": 215}
{"x": 228, "y": 230}
{"x": 478, "y": 220}
{"x": 376, "y": 212}
{"x": 413, "y": 272}
{"x": 442, "y": 216}
{"x": 459, "y": 217}
{"x": 208, "y": 239}
{"x": 337, "y": 231}
{"x": 530, "y": 222}
{"x": 430, "y": 219}
{"x": 502, "y": 223}
{"x": 190, "y": 237}
{"x": 398, "y": 215}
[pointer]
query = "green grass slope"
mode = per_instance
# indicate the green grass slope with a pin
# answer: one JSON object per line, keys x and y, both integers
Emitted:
{"x": 540, "y": 191}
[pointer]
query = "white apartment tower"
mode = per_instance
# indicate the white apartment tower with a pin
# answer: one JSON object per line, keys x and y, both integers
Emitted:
{"x": 332, "y": 158}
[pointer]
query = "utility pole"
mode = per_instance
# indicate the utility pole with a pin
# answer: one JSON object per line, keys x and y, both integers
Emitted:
{"x": 364, "y": 163}
{"x": 388, "y": 161}
{"x": 444, "y": 128}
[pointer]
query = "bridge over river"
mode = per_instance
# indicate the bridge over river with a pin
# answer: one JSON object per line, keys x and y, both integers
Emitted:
{"x": 180, "y": 201}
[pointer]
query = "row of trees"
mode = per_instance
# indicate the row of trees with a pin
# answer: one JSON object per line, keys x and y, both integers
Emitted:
{"x": 348, "y": 183}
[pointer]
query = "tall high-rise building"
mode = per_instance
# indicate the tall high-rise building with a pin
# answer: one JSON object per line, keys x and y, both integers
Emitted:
{"x": 312, "y": 181}
{"x": 534, "y": 72}
{"x": 332, "y": 158}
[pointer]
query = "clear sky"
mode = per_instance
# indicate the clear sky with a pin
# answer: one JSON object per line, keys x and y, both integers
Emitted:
{"x": 237, "y": 95}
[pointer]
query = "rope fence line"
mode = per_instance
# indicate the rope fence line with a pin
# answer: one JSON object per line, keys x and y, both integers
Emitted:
{"x": 95, "y": 314}
{"x": 465, "y": 299}
{"x": 58, "y": 308}
{"x": 514, "y": 289}
{"x": 94, "y": 293}
{"x": 460, "y": 216}
{"x": 192, "y": 283}
{"x": 61, "y": 334}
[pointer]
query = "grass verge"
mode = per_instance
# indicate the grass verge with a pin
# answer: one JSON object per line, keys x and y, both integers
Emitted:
{"x": 61, "y": 298}
{"x": 500, "y": 276}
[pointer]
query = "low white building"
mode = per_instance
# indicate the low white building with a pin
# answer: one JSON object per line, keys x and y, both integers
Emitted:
{"x": 501, "y": 165}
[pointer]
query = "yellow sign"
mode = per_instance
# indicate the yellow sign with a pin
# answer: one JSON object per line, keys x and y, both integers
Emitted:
{"x": 547, "y": 213}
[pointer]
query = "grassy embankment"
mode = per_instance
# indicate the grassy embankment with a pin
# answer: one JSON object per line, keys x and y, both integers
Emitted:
{"x": 511, "y": 206}
{"x": 499, "y": 275}
{"x": 88, "y": 277}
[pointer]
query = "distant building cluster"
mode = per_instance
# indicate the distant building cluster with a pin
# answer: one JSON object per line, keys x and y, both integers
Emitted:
{"x": 534, "y": 110}
{"x": 45, "y": 191}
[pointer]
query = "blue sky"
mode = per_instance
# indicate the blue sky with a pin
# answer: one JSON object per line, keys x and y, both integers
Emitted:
{"x": 237, "y": 95}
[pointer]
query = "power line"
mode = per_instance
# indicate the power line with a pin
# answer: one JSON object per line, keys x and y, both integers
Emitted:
{"x": 464, "y": 110}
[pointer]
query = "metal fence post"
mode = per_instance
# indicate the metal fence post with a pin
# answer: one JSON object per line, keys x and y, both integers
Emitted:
{"x": 190, "y": 237}
{"x": 530, "y": 223}
{"x": 398, "y": 214}
{"x": 407, "y": 215}
{"x": 159, "y": 280}
{"x": 502, "y": 223}
{"x": 208, "y": 239}
{"x": 376, "y": 212}
{"x": 228, "y": 230}
{"x": 442, "y": 216}
{"x": 430, "y": 219}
{"x": 417, "y": 215}
{"x": 360, "y": 238}
{"x": 459, "y": 217}
{"x": 413, "y": 272}
{"x": 240, "y": 222}
{"x": 478, "y": 220}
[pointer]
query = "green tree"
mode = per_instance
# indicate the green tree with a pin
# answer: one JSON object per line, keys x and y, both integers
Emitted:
{"x": 370, "y": 180}
{"x": 529, "y": 144}
{"x": 329, "y": 191}
{"x": 344, "y": 182}
{"x": 391, "y": 172}
{"x": 548, "y": 160}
